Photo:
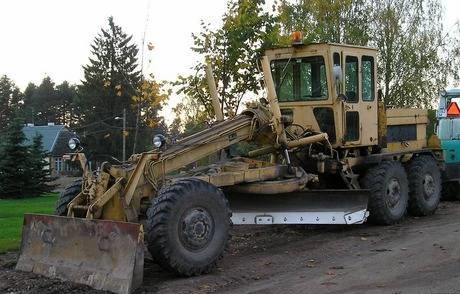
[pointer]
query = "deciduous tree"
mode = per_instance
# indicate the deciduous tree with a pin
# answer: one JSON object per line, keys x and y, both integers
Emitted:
{"x": 417, "y": 56}
{"x": 233, "y": 50}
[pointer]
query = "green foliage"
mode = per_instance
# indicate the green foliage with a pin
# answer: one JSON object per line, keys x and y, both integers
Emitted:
{"x": 50, "y": 103}
{"x": 416, "y": 55}
{"x": 12, "y": 215}
{"x": 39, "y": 169}
{"x": 233, "y": 50}
{"x": 68, "y": 106}
{"x": 432, "y": 123}
{"x": 111, "y": 79}
{"x": 10, "y": 97}
{"x": 22, "y": 171}
{"x": 14, "y": 164}
{"x": 339, "y": 21}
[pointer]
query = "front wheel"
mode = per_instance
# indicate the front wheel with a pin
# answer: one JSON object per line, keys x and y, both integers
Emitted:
{"x": 188, "y": 227}
{"x": 388, "y": 185}
{"x": 69, "y": 193}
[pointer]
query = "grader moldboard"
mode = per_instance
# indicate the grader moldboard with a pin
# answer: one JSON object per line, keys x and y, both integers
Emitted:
{"x": 333, "y": 155}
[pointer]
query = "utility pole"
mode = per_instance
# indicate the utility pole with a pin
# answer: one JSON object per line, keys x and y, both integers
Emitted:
{"x": 124, "y": 134}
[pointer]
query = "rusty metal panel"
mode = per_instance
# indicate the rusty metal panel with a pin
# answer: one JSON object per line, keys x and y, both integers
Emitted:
{"x": 105, "y": 255}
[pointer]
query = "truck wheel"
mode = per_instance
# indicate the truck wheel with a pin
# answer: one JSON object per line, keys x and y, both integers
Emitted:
{"x": 450, "y": 191}
{"x": 69, "y": 193}
{"x": 424, "y": 186}
{"x": 389, "y": 192}
{"x": 188, "y": 227}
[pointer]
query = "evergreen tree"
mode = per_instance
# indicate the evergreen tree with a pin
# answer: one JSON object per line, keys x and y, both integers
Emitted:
{"x": 111, "y": 79}
{"x": 45, "y": 102}
{"x": 67, "y": 110}
{"x": 10, "y": 98}
{"x": 51, "y": 103}
{"x": 14, "y": 162}
{"x": 28, "y": 110}
{"x": 39, "y": 171}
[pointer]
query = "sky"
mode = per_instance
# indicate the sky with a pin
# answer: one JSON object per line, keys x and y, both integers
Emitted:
{"x": 50, "y": 37}
{"x": 53, "y": 37}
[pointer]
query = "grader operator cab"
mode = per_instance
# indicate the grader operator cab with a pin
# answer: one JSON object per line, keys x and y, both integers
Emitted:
{"x": 331, "y": 154}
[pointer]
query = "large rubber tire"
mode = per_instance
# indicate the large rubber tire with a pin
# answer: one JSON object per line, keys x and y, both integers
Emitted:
{"x": 188, "y": 227}
{"x": 424, "y": 185}
{"x": 450, "y": 191}
{"x": 389, "y": 189}
{"x": 69, "y": 193}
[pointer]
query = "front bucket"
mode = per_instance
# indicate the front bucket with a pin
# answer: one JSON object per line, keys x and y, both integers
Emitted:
{"x": 106, "y": 255}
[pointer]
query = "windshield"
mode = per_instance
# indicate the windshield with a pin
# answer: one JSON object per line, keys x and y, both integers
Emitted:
{"x": 300, "y": 79}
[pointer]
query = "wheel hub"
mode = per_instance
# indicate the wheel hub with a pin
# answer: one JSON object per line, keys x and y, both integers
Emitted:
{"x": 196, "y": 229}
{"x": 393, "y": 192}
{"x": 429, "y": 186}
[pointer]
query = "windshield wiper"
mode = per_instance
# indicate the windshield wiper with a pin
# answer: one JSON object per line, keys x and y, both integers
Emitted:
{"x": 284, "y": 73}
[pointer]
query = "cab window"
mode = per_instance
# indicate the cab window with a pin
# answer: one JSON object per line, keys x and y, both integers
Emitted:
{"x": 368, "y": 91}
{"x": 300, "y": 79}
{"x": 351, "y": 78}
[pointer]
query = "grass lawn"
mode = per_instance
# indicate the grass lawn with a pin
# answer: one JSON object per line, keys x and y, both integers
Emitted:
{"x": 11, "y": 215}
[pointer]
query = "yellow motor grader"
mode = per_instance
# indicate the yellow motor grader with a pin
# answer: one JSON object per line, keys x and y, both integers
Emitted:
{"x": 329, "y": 153}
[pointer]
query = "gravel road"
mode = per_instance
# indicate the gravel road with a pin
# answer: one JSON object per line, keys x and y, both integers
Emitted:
{"x": 419, "y": 255}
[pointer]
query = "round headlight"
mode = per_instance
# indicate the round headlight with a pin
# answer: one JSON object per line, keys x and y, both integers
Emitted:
{"x": 158, "y": 141}
{"x": 73, "y": 143}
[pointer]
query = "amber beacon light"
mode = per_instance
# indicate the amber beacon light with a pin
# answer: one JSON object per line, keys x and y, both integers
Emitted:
{"x": 297, "y": 38}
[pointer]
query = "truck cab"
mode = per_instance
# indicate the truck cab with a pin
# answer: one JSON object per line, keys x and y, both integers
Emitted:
{"x": 329, "y": 88}
{"x": 448, "y": 131}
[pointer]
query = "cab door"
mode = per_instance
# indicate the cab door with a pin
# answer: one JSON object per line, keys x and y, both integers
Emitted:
{"x": 360, "y": 105}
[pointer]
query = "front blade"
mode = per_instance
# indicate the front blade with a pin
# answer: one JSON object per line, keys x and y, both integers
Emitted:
{"x": 304, "y": 207}
{"x": 105, "y": 255}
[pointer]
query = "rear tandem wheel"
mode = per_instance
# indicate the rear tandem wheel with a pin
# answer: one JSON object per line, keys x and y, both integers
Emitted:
{"x": 424, "y": 185}
{"x": 389, "y": 192}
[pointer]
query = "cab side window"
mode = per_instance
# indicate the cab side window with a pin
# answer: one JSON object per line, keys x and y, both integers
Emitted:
{"x": 368, "y": 90}
{"x": 351, "y": 78}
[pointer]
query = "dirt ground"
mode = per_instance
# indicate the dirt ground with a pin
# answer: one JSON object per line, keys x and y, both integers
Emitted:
{"x": 420, "y": 255}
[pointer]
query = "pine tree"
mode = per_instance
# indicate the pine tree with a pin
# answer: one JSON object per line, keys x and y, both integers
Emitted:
{"x": 10, "y": 97}
{"x": 29, "y": 109}
{"x": 67, "y": 110}
{"x": 14, "y": 161}
{"x": 111, "y": 79}
{"x": 38, "y": 169}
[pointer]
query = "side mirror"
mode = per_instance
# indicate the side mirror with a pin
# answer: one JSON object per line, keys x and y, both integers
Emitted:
{"x": 337, "y": 73}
